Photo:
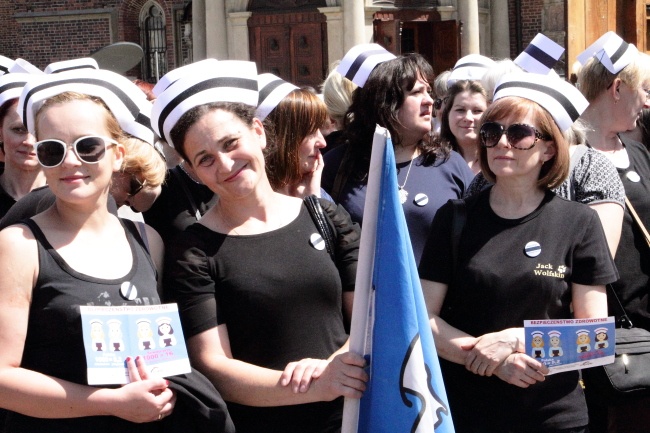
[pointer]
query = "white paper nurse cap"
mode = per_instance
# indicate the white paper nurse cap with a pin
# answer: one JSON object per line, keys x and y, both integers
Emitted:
{"x": 5, "y": 64}
{"x": 561, "y": 99}
{"x": 361, "y": 60}
{"x": 126, "y": 101}
{"x": 610, "y": 50}
{"x": 540, "y": 55}
{"x": 470, "y": 67}
{"x": 24, "y": 67}
{"x": 175, "y": 74}
{"x": 272, "y": 89}
{"x": 223, "y": 81}
{"x": 72, "y": 64}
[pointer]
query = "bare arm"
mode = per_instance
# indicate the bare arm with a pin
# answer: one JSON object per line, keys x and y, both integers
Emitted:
{"x": 589, "y": 302}
{"x": 611, "y": 217}
{"x": 35, "y": 394}
{"x": 248, "y": 384}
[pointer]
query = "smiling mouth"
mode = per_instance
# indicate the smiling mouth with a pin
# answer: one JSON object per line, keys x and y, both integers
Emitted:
{"x": 234, "y": 175}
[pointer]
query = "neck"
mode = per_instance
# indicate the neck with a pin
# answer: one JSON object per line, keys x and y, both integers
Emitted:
{"x": 76, "y": 217}
{"x": 404, "y": 153}
{"x": 602, "y": 135}
{"x": 17, "y": 183}
{"x": 515, "y": 198}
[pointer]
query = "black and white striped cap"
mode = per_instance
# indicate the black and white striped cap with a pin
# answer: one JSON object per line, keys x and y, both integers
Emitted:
{"x": 5, "y": 64}
{"x": 610, "y": 50}
{"x": 11, "y": 86}
{"x": 272, "y": 90}
{"x": 361, "y": 60}
{"x": 540, "y": 55}
{"x": 72, "y": 64}
{"x": 223, "y": 81}
{"x": 470, "y": 67}
{"x": 561, "y": 99}
{"x": 24, "y": 67}
{"x": 126, "y": 101}
{"x": 175, "y": 74}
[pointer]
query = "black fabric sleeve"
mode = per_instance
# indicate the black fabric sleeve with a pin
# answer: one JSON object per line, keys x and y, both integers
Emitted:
{"x": 592, "y": 261}
{"x": 435, "y": 264}
{"x": 348, "y": 235}
{"x": 189, "y": 283}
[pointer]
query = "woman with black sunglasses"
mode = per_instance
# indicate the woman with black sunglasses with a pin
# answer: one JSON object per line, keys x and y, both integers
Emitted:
{"x": 75, "y": 253}
{"x": 481, "y": 282}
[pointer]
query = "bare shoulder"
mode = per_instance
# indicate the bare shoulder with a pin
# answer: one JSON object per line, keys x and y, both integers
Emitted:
{"x": 18, "y": 258}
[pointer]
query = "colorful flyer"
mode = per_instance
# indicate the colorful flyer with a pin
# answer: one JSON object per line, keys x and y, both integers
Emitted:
{"x": 153, "y": 332}
{"x": 571, "y": 344}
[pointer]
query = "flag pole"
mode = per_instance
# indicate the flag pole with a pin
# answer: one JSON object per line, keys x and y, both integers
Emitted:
{"x": 362, "y": 308}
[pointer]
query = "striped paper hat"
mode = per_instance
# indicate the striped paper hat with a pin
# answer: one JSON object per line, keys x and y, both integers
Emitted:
{"x": 610, "y": 50}
{"x": 561, "y": 99}
{"x": 126, "y": 101}
{"x": 72, "y": 64}
{"x": 224, "y": 81}
{"x": 540, "y": 55}
{"x": 5, "y": 64}
{"x": 172, "y": 76}
{"x": 272, "y": 90}
{"x": 23, "y": 66}
{"x": 470, "y": 67}
{"x": 11, "y": 86}
{"x": 361, "y": 60}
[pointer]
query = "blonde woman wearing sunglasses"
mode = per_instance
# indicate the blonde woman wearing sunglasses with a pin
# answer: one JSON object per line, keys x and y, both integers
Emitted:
{"x": 74, "y": 253}
{"x": 522, "y": 254}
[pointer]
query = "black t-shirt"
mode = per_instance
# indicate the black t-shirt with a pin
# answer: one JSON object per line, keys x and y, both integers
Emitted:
{"x": 175, "y": 208}
{"x": 281, "y": 299}
{"x": 498, "y": 285}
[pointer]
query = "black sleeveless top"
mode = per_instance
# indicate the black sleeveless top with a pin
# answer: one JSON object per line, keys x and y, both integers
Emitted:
{"x": 54, "y": 341}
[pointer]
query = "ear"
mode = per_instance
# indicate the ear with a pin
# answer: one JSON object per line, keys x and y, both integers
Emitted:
{"x": 550, "y": 151}
{"x": 614, "y": 89}
{"x": 258, "y": 130}
{"x": 119, "y": 152}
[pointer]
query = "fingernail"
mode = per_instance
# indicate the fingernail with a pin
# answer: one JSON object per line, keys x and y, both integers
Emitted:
{"x": 128, "y": 358}
{"x": 167, "y": 382}
{"x": 137, "y": 359}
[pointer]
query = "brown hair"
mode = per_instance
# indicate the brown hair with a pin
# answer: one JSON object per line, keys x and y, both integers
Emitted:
{"x": 555, "y": 170}
{"x": 447, "y": 139}
{"x": 298, "y": 115}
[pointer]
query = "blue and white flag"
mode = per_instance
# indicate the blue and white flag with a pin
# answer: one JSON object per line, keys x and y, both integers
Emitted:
{"x": 405, "y": 392}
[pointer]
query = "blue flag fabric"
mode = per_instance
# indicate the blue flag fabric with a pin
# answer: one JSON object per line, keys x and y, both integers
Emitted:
{"x": 405, "y": 392}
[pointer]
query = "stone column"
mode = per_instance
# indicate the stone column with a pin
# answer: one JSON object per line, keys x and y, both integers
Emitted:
{"x": 198, "y": 30}
{"x": 500, "y": 29}
{"x": 216, "y": 30}
{"x": 468, "y": 14}
{"x": 353, "y": 23}
{"x": 335, "y": 46}
{"x": 238, "y": 46}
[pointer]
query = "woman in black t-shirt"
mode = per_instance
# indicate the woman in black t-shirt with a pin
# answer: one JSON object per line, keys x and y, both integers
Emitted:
{"x": 515, "y": 232}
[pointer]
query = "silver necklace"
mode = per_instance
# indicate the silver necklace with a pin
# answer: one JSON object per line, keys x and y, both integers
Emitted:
{"x": 403, "y": 194}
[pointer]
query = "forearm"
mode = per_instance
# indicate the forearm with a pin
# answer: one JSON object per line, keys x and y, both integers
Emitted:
{"x": 450, "y": 341}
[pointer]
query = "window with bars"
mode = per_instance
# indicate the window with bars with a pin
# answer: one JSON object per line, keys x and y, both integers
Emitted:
{"x": 153, "y": 41}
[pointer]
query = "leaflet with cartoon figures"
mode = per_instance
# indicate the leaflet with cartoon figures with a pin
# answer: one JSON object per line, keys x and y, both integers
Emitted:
{"x": 111, "y": 334}
{"x": 571, "y": 344}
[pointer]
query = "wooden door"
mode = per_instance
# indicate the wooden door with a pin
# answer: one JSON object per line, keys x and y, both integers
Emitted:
{"x": 292, "y": 46}
{"x": 446, "y": 45}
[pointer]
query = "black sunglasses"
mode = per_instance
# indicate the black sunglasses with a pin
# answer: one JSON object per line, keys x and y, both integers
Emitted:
{"x": 437, "y": 103}
{"x": 519, "y": 135}
{"x": 89, "y": 149}
{"x": 135, "y": 186}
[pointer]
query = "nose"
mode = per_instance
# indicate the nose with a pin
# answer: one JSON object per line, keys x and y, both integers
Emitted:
{"x": 70, "y": 158}
{"x": 29, "y": 139}
{"x": 320, "y": 140}
{"x": 428, "y": 100}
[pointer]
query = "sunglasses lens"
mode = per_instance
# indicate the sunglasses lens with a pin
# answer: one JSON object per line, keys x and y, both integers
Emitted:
{"x": 135, "y": 186}
{"x": 437, "y": 103}
{"x": 491, "y": 133}
{"x": 50, "y": 153}
{"x": 90, "y": 149}
{"x": 518, "y": 133}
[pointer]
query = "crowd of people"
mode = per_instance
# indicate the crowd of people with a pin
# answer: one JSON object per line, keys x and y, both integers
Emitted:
{"x": 239, "y": 196}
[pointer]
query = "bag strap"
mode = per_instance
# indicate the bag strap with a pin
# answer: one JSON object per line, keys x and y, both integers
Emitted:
{"x": 638, "y": 220}
{"x": 624, "y": 319}
{"x": 321, "y": 222}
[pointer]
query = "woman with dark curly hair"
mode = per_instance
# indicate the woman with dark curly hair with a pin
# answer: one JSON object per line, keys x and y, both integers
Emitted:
{"x": 396, "y": 96}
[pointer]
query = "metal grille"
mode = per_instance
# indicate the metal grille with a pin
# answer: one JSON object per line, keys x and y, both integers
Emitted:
{"x": 154, "y": 45}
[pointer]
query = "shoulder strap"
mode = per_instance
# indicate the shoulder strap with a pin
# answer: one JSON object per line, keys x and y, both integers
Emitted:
{"x": 138, "y": 232}
{"x": 459, "y": 218}
{"x": 623, "y": 318}
{"x": 636, "y": 217}
{"x": 188, "y": 194}
{"x": 321, "y": 222}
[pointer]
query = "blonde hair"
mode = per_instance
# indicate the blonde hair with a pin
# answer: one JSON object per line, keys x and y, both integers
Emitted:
{"x": 143, "y": 158}
{"x": 337, "y": 95}
{"x": 594, "y": 78}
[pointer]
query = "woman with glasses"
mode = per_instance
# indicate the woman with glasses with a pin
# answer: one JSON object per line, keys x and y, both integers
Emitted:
{"x": 615, "y": 78}
{"x": 396, "y": 95}
{"x": 479, "y": 279}
{"x": 75, "y": 253}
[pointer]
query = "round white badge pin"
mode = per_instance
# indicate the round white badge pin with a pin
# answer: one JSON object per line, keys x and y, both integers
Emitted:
{"x": 128, "y": 291}
{"x": 533, "y": 249}
{"x": 421, "y": 199}
{"x": 317, "y": 241}
{"x": 633, "y": 176}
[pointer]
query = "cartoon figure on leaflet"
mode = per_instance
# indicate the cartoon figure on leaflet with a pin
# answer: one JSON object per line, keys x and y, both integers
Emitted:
{"x": 97, "y": 335}
{"x": 538, "y": 345}
{"x": 166, "y": 332}
{"x": 145, "y": 335}
{"x": 115, "y": 339}
{"x": 554, "y": 340}
{"x": 583, "y": 341}
{"x": 601, "y": 339}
